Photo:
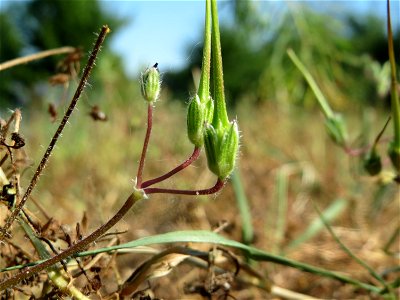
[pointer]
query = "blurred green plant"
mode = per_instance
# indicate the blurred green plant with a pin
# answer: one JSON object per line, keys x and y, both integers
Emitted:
{"x": 28, "y": 27}
{"x": 394, "y": 145}
{"x": 342, "y": 53}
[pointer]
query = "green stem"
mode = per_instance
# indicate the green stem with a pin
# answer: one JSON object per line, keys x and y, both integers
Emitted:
{"x": 282, "y": 199}
{"x": 394, "y": 96}
{"x": 326, "y": 109}
{"x": 220, "y": 114}
{"x": 204, "y": 88}
{"x": 244, "y": 209}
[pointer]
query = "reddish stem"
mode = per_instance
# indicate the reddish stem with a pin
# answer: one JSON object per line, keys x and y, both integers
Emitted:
{"x": 217, "y": 187}
{"x": 195, "y": 155}
{"x": 145, "y": 144}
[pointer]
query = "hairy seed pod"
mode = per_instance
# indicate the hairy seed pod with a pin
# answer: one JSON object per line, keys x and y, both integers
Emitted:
{"x": 195, "y": 121}
{"x": 199, "y": 113}
{"x": 221, "y": 147}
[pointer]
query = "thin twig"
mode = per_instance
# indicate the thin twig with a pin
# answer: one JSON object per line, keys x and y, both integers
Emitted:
{"x": 60, "y": 128}
{"x": 145, "y": 144}
{"x": 35, "y": 56}
{"x": 195, "y": 155}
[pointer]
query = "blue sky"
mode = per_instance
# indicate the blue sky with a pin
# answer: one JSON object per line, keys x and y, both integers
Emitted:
{"x": 158, "y": 31}
{"x": 165, "y": 31}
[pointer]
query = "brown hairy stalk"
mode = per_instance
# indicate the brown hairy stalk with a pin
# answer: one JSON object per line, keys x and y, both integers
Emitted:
{"x": 46, "y": 156}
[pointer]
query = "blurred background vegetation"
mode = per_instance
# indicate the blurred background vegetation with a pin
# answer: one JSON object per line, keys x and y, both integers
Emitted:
{"x": 347, "y": 53}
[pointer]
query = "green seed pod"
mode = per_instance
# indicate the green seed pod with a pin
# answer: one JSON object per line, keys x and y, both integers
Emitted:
{"x": 198, "y": 114}
{"x": 394, "y": 154}
{"x": 337, "y": 129}
{"x": 211, "y": 145}
{"x": 221, "y": 148}
{"x": 372, "y": 163}
{"x": 150, "y": 84}
{"x": 195, "y": 121}
{"x": 228, "y": 150}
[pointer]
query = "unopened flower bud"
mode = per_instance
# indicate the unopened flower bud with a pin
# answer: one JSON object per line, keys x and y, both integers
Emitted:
{"x": 150, "y": 83}
{"x": 372, "y": 163}
{"x": 221, "y": 148}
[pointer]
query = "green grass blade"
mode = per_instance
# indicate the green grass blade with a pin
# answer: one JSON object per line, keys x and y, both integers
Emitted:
{"x": 244, "y": 208}
{"x": 333, "y": 211}
{"x": 282, "y": 202}
{"x": 202, "y": 236}
{"x": 36, "y": 242}
{"x": 326, "y": 109}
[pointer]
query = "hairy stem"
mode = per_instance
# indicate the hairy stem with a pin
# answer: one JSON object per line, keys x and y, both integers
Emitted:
{"x": 59, "y": 130}
{"x": 204, "y": 86}
{"x": 220, "y": 114}
{"x": 145, "y": 145}
{"x": 394, "y": 95}
{"x": 195, "y": 155}
{"x": 216, "y": 188}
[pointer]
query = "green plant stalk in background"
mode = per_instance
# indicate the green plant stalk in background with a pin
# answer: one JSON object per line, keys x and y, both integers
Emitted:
{"x": 244, "y": 208}
{"x": 282, "y": 203}
{"x": 394, "y": 146}
{"x": 334, "y": 122}
{"x": 329, "y": 214}
{"x": 326, "y": 109}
